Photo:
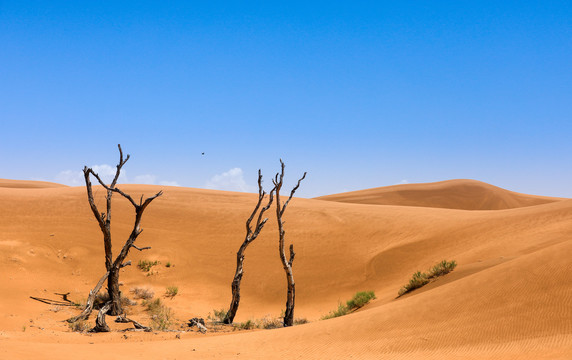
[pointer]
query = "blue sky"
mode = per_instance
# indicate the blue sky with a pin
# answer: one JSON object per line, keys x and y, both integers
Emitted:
{"x": 359, "y": 94}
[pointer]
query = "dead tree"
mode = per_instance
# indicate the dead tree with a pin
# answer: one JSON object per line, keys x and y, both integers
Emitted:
{"x": 251, "y": 235}
{"x": 278, "y": 180}
{"x": 104, "y": 221}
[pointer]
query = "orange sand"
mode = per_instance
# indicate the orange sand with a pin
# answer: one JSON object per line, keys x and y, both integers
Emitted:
{"x": 509, "y": 298}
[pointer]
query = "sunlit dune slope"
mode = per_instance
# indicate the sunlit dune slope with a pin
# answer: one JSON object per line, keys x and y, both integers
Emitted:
{"x": 509, "y": 298}
{"x": 7, "y": 183}
{"x": 450, "y": 194}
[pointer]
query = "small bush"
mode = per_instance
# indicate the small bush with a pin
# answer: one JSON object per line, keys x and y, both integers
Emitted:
{"x": 419, "y": 279}
{"x": 300, "y": 321}
{"x": 270, "y": 323}
{"x": 360, "y": 299}
{"x": 442, "y": 268}
{"x": 172, "y": 291}
{"x": 169, "y": 264}
{"x": 146, "y": 265}
{"x": 341, "y": 311}
{"x": 219, "y": 315}
{"x": 161, "y": 315}
{"x": 142, "y": 293}
{"x": 247, "y": 325}
{"x": 79, "y": 326}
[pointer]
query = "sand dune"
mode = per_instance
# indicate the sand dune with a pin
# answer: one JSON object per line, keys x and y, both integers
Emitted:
{"x": 450, "y": 194}
{"x": 27, "y": 184}
{"x": 509, "y": 298}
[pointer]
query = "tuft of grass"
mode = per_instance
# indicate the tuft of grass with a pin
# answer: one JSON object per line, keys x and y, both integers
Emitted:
{"x": 300, "y": 321}
{"x": 442, "y": 268}
{"x": 146, "y": 265}
{"x": 357, "y": 301}
{"x": 142, "y": 293}
{"x": 341, "y": 311}
{"x": 169, "y": 264}
{"x": 172, "y": 291}
{"x": 219, "y": 315}
{"x": 422, "y": 278}
{"x": 417, "y": 280}
{"x": 79, "y": 326}
{"x": 161, "y": 315}
{"x": 270, "y": 323}
{"x": 247, "y": 325}
{"x": 360, "y": 299}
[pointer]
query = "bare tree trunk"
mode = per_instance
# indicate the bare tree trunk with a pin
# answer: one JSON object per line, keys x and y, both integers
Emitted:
{"x": 291, "y": 297}
{"x": 114, "y": 292}
{"x": 287, "y": 264}
{"x": 250, "y": 237}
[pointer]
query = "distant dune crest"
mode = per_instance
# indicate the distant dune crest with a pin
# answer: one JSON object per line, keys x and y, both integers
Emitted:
{"x": 461, "y": 194}
{"x": 27, "y": 184}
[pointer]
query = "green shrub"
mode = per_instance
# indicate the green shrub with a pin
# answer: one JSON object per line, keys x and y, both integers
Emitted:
{"x": 442, "y": 268}
{"x": 171, "y": 291}
{"x": 219, "y": 315}
{"x": 248, "y": 325}
{"x": 360, "y": 299}
{"x": 169, "y": 264}
{"x": 161, "y": 315}
{"x": 146, "y": 265}
{"x": 341, "y": 311}
{"x": 419, "y": 279}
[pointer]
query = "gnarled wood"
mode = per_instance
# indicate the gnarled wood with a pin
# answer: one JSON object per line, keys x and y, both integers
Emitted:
{"x": 138, "y": 326}
{"x": 100, "y": 324}
{"x": 291, "y": 297}
{"x": 251, "y": 235}
{"x": 90, "y": 301}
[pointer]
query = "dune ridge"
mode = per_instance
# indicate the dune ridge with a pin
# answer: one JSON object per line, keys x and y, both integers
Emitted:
{"x": 27, "y": 184}
{"x": 509, "y": 298}
{"x": 450, "y": 194}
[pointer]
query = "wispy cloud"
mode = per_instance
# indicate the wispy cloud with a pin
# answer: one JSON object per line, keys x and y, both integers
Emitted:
{"x": 232, "y": 180}
{"x": 169, "y": 183}
{"x": 107, "y": 172}
{"x": 145, "y": 179}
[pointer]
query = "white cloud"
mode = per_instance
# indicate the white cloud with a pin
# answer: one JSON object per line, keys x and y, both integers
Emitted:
{"x": 169, "y": 183}
{"x": 404, "y": 181}
{"x": 75, "y": 178}
{"x": 106, "y": 173}
{"x": 232, "y": 180}
{"x": 70, "y": 177}
{"x": 145, "y": 179}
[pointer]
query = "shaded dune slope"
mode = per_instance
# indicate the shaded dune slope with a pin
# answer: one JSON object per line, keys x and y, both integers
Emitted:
{"x": 510, "y": 297}
{"x": 451, "y": 194}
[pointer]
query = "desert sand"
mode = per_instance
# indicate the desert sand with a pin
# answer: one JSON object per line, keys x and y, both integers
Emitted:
{"x": 510, "y": 296}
